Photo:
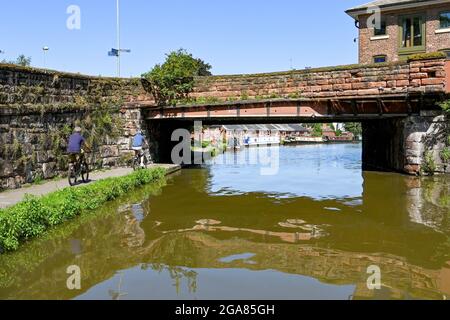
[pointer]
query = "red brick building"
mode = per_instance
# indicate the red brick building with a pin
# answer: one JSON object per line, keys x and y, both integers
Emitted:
{"x": 390, "y": 30}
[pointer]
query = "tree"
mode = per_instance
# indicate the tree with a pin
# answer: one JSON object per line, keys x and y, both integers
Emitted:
{"x": 174, "y": 79}
{"x": 317, "y": 130}
{"x": 21, "y": 60}
{"x": 354, "y": 127}
{"x": 204, "y": 69}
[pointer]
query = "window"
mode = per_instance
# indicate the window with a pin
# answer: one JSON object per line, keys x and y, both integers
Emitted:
{"x": 382, "y": 30}
{"x": 412, "y": 33}
{"x": 444, "y": 17}
{"x": 379, "y": 59}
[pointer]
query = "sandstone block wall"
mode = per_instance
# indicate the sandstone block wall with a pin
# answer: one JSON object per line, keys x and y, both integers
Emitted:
{"x": 425, "y": 76}
{"x": 38, "y": 110}
{"x": 401, "y": 144}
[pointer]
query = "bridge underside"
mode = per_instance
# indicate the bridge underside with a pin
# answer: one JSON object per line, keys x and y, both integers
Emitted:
{"x": 396, "y": 129}
{"x": 299, "y": 110}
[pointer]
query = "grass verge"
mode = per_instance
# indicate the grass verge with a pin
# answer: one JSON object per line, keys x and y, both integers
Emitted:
{"x": 33, "y": 216}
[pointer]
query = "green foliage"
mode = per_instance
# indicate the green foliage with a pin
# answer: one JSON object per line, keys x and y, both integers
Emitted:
{"x": 317, "y": 130}
{"x": 34, "y": 215}
{"x": 427, "y": 56}
{"x": 295, "y": 95}
{"x": 445, "y": 106}
{"x": 21, "y": 60}
{"x": 206, "y": 144}
{"x": 174, "y": 79}
{"x": 204, "y": 69}
{"x": 354, "y": 127}
{"x": 199, "y": 100}
{"x": 244, "y": 95}
{"x": 429, "y": 165}
{"x": 445, "y": 155}
{"x": 99, "y": 125}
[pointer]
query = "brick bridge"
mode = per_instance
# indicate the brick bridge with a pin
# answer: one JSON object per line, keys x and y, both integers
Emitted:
{"x": 397, "y": 104}
{"x": 352, "y": 92}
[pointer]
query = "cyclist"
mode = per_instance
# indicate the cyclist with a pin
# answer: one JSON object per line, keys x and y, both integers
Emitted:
{"x": 138, "y": 145}
{"x": 75, "y": 146}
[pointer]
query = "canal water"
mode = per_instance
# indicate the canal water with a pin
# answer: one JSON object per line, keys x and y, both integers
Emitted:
{"x": 314, "y": 228}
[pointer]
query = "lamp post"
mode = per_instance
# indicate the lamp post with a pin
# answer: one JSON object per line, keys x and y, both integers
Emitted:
{"x": 45, "y": 50}
{"x": 118, "y": 37}
{"x": 117, "y": 52}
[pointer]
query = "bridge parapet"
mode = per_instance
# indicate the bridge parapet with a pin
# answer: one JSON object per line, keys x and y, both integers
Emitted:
{"x": 413, "y": 77}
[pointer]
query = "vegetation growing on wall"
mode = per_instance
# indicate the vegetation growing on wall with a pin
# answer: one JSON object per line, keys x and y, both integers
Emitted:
{"x": 445, "y": 153}
{"x": 427, "y": 56}
{"x": 34, "y": 216}
{"x": 174, "y": 79}
{"x": 429, "y": 165}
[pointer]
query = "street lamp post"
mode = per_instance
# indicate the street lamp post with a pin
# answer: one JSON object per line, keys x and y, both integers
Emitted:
{"x": 45, "y": 50}
{"x": 117, "y": 52}
{"x": 118, "y": 37}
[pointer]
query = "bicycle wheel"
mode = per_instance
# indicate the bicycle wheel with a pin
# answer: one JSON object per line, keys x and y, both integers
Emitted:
{"x": 145, "y": 163}
{"x": 72, "y": 176}
{"x": 85, "y": 172}
{"x": 135, "y": 164}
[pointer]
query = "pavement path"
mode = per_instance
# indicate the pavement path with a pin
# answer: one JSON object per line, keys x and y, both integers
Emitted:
{"x": 11, "y": 197}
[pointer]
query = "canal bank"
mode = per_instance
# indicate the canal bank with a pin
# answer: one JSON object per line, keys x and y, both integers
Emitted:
{"x": 223, "y": 231}
{"x": 11, "y": 197}
{"x": 34, "y": 216}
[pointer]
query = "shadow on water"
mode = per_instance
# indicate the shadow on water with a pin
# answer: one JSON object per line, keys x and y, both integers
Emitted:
{"x": 206, "y": 234}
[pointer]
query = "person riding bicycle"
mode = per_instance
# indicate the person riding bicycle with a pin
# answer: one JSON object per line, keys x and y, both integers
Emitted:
{"x": 75, "y": 146}
{"x": 138, "y": 146}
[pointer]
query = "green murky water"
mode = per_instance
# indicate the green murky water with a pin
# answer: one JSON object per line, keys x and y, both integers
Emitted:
{"x": 225, "y": 231}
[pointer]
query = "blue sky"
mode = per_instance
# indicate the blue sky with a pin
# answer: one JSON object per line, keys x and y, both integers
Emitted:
{"x": 246, "y": 36}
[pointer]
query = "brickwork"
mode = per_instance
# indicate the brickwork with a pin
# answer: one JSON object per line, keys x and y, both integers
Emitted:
{"x": 370, "y": 46}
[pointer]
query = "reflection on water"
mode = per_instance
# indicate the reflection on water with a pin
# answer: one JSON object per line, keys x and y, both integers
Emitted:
{"x": 224, "y": 232}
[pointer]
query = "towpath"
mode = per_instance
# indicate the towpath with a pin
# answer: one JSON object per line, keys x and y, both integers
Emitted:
{"x": 12, "y": 197}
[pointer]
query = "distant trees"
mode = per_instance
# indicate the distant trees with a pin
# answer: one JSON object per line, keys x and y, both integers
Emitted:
{"x": 174, "y": 79}
{"x": 354, "y": 127}
{"x": 21, "y": 60}
{"x": 317, "y": 130}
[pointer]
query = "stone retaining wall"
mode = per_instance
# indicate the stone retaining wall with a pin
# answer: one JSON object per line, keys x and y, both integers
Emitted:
{"x": 27, "y": 145}
{"x": 401, "y": 144}
{"x": 36, "y": 104}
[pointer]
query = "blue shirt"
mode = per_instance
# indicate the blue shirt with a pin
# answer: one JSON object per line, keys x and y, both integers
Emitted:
{"x": 75, "y": 142}
{"x": 138, "y": 141}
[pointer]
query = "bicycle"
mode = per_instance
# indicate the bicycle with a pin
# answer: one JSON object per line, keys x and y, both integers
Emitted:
{"x": 78, "y": 169}
{"x": 136, "y": 164}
